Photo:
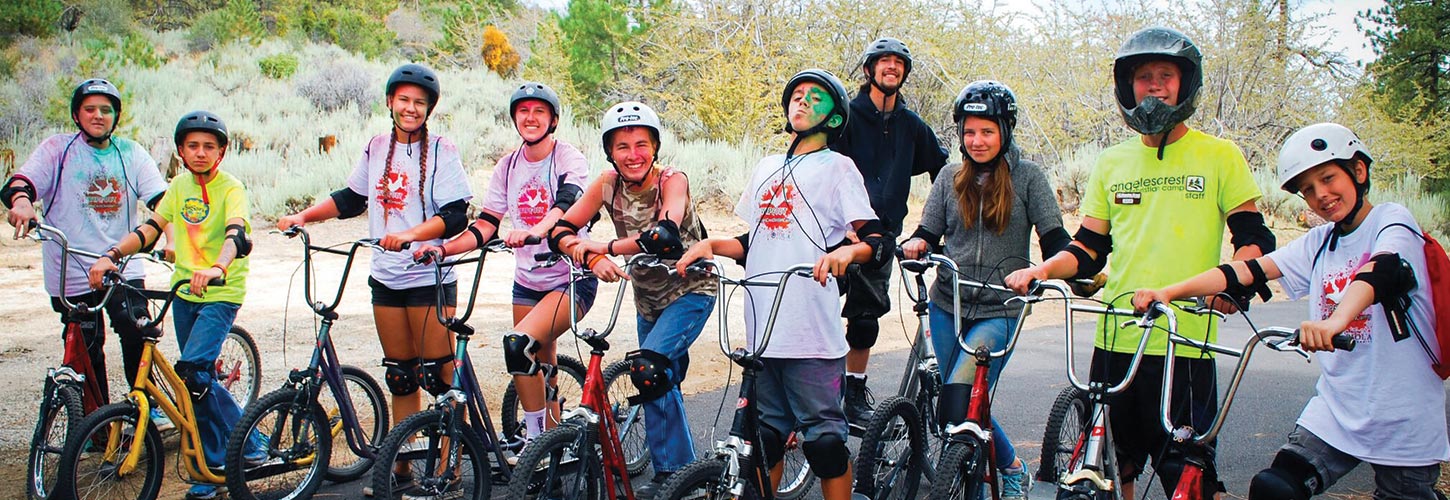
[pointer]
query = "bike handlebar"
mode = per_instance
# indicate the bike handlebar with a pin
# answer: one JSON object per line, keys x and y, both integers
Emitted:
{"x": 42, "y": 233}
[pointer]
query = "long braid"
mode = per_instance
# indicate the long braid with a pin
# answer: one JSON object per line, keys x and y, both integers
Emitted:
{"x": 423, "y": 169}
{"x": 387, "y": 173}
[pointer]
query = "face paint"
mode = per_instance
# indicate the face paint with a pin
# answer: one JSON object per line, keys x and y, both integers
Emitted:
{"x": 822, "y": 99}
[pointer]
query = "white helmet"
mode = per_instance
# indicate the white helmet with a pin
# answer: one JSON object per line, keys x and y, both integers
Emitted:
{"x": 1314, "y": 145}
{"x": 629, "y": 114}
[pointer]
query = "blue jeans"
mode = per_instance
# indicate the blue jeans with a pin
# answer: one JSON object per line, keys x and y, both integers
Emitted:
{"x": 671, "y": 334}
{"x": 957, "y": 366}
{"x": 200, "y": 329}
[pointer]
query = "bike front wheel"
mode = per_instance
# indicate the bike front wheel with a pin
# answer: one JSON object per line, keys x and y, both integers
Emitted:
{"x": 629, "y": 418}
{"x": 889, "y": 462}
{"x": 795, "y": 476}
{"x": 706, "y": 479}
{"x": 239, "y": 366}
{"x": 563, "y": 462}
{"x": 962, "y": 472}
{"x": 570, "y": 381}
{"x": 1065, "y": 425}
{"x": 61, "y": 411}
{"x": 278, "y": 449}
{"x": 89, "y": 467}
{"x": 421, "y": 449}
{"x": 371, "y": 409}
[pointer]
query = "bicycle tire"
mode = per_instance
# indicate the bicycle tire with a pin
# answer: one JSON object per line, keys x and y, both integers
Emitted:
{"x": 239, "y": 366}
{"x": 86, "y": 472}
{"x": 962, "y": 472}
{"x": 371, "y": 407}
{"x": 512, "y": 426}
{"x": 796, "y": 476}
{"x": 298, "y": 447}
{"x": 933, "y": 435}
{"x": 554, "y": 458}
{"x": 423, "y": 434}
{"x": 630, "y": 418}
{"x": 704, "y": 480}
{"x": 1065, "y": 423}
{"x": 888, "y": 464}
{"x": 61, "y": 412}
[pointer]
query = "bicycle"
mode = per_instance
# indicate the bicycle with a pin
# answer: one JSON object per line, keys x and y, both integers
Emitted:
{"x": 117, "y": 453}
{"x": 553, "y": 464}
{"x": 299, "y": 457}
{"x": 734, "y": 470}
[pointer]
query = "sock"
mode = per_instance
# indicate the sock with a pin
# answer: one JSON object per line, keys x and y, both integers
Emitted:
{"x": 534, "y": 423}
{"x": 861, "y": 376}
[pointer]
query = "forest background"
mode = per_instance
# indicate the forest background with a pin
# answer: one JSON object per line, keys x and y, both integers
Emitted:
{"x": 285, "y": 74}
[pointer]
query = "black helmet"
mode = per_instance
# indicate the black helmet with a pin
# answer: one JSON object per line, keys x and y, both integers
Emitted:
{"x": 204, "y": 121}
{"x": 833, "y": 87}
{"x": 987, "y": 99}
{"x": 1152, "y": 116}
{"x": 95, "y": 86}
{"x": 419, "y": 75}
{"x": 884, "y": 46}
{"x": 539, "y": 91}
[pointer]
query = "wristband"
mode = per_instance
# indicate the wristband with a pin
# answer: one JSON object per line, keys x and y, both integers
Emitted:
{"x": 20, "y": 195}
{"x": 223, "y": 268}
{"x": 594, "y": 260}
{"x": 114, "y": 254}
{"x": 609, "y": 249}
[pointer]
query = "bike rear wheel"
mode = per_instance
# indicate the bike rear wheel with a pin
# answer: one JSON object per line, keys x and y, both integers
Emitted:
{"x": 422, "y": 445}
{"x": 563, "y": 462}
{"x": 88, "y": 467}
{"x": 962, "y": 473}
{"x": 297, "y": 446}
{"x": 796, "y": 476}
{"x": 570, "y": 380}
{"x": 61, "y": 412}
{"x": 705, "y": 479}
{"x": 889, "y": 462}
{"x": 1065, "y": 425}
{"x": 239, "y": 366}
{"x": 371, "y": 408}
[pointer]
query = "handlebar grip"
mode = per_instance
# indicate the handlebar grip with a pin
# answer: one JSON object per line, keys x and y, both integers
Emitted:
{"x": 1087, "y": 287}
{"x": 545, "y": 256}
{"x": 1343, "y": 341}
{"x": 292, "y": 231}
{"x": 217, "y": 282}
{"x": 533, "y": 240}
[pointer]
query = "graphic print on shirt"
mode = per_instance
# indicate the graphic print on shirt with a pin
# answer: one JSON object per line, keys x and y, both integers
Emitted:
{"x": 1334, "y": 284}
{"x": 103, "y": 195}
{"x": 392, "y": 189}
{"x": 533, "y": 202}
{"x": 777, "y": 205}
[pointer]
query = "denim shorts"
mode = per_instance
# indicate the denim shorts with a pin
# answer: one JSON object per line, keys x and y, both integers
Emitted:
{"x": 422, "y": 296}
{"x": 585, "y": 290}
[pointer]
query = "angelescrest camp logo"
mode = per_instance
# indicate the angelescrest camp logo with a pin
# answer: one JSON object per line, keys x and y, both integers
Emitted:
{"x": 194, "y": 211}
{"x": 1192, "y": 187}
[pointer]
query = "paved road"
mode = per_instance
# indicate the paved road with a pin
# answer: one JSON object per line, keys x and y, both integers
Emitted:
{"x": 1272, "y": 394}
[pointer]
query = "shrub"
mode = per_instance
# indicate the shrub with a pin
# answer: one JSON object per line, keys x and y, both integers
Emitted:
{"x": 36, "y": 18}
{"x": 278, "y": 66}
{"x": 498, "y": 54}
{"x": 333, "y": 85}
{"x": 237, "y": 20}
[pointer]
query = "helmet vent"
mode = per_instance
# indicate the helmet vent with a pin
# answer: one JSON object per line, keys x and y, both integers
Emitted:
{"x": 1319, "y": 145}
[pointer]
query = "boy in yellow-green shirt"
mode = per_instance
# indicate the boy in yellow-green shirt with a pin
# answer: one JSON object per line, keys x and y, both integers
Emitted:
{"x": 209, "y": 210}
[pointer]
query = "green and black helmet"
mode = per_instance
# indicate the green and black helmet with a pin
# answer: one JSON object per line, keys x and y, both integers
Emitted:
{"x": 1152, "y": 116}
{"x": 837, "y": 91}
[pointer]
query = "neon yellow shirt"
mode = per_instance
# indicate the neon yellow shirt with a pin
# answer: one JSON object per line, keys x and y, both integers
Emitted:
{"x": 1167, "y": 221}
{"x": 199, "y": 228}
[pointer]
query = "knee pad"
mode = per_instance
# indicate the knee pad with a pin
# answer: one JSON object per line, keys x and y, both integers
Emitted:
{"x": 431, "y": 375}
{"x": 197, "y": 376}
{"x": 650, "y": 373}
{"x": 828, "y": 455}
{"x": 772, "y": 445}
{"x": 402, "y": 376}
{"x": 951, "y": 405}
{"x": 1289, "y": 477}
{"x": 519, "y": 354}
{"x": 861, "y": 332}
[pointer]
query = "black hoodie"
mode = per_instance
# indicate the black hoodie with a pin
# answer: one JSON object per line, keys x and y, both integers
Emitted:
{"x": 889, "y": 148}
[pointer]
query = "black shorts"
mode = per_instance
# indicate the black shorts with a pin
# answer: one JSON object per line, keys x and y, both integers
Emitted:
{"x": 422, "y": 296}
{"x": 1136, "y": 414}
{"x": 867, "y": 291}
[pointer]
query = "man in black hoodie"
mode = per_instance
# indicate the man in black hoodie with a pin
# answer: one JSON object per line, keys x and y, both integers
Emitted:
{"x": 890, "y": 144}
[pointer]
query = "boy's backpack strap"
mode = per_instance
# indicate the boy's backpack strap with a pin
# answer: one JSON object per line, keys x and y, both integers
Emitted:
{"x": 1437, "y": 267}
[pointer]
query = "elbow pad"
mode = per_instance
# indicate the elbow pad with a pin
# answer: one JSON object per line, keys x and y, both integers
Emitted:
{"x": 1053, "y": 242}
{"x": 1101, "y": 244}
{"x": 744, "y": 240}
{"x": 10, "y": 190}
{"x": 455, "y": 217}
{"x": 932, "y": 240}
{"x": 349, "y": 203}
{"x": 239, "y": 239}
{"x": 1391, "y": 277}
{"x": 566, "y": 195}
{"x": 882, "y": 249}
{"x": 489, "y": 218}
{"x": 1248, "y": 228}
{"x": 155, "y": 200}
{"x": 140, "y": 235}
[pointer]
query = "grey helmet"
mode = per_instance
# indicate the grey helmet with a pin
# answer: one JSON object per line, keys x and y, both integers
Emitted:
{"x": 1153, "y": 116}
{"x": 881, "y": 47}
{"x": 419, "y": 75}
{"x": 203, "y": 121}
{"x": 833, "y": 87}
{"x": 95, "y": 86}
{"x": 538, "y": 91}
{"x": 988, "y": 99}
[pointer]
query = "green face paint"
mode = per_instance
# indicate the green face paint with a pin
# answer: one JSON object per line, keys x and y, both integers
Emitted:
{"x": 823, "y": 104}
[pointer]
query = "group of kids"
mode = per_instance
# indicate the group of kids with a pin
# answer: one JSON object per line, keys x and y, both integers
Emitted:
{"x": 837, "y": 196}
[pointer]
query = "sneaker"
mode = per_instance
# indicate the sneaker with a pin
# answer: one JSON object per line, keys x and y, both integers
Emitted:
{"x": 419, "y": 492}
{"x": 161, "y": 421}
{"x": 647, "y": 491}
{"x": 256, "y": 450}
{"x": 1016, "y": 483}
{"x": 203, "y": 492}
{"x": 858, "y": 402}
{"x": 401, "y": 483}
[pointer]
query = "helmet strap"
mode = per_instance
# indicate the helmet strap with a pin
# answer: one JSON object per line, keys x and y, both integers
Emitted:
{"x": 1341, "y": 228}
{"x": 204, "y": 177}
{"x": 1163, "y": 143}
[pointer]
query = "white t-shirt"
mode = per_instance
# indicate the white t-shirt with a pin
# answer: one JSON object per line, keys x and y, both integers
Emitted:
{"x": 395, "y": 205}
{"x": 1381, "y": 403}
{"x": 524, "y": 191}
{"x": 794, "y": 214}
{"x": 93, "y": 197}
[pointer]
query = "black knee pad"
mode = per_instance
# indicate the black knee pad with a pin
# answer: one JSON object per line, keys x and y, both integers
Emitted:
{"x": 951, "y": 405}
{"x": 772, "y": 445}
{"x": 649, "y": 371}
{"x": 197, "y": 376}
{"x": 520, "y": 354}
{"x": 828, "y": 455}
{"x": 431, "y": 377}
{"x": 402, "y": 376}
{"x": 861, "y": 332}
{"x": 1290, "y": 477}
